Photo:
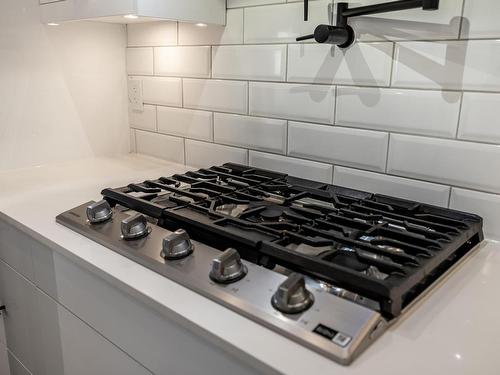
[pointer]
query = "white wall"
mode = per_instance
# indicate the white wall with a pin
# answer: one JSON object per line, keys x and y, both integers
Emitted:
{"x": 62, "y": 89}
{"x": 412, "y": 110}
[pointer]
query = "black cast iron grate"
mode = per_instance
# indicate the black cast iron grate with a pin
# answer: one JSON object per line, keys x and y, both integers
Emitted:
{"x": 386, "y": 249}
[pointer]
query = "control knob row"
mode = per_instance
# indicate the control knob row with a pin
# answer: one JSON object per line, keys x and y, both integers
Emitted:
{"x": 292, "y": 296}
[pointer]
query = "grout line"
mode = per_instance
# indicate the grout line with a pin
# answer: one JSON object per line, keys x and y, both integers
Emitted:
{"x": 459, "y": 37}
{"x": 243, "y": 25}
{"x": 459, "y": 114}
{"x": 393, "y": 65}
{"x": 387, "y": 152}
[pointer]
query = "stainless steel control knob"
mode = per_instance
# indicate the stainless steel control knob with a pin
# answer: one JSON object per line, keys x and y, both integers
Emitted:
{"x": 292, "y": 297}
{"x": 99, "y": 212}
{"x": 177, "y": 245}
{"x": 135, "y": 227}
{"x": 228, "y": 267}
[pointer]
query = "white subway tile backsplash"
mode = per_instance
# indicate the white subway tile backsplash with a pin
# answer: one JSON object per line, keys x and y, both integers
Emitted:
{"x": 162, "y": 90}
{"x": 349, "y": 147}
{"x": 457, "y": 163}
{"x": 481, "y": 19}
{"x": 480, "y": 118}
{"x": 262, "y": 63}
{"x": 222, "y": 96}
{"x": 232, "y": 33}
{"x": 185, "y": 123}
{"x": 483, "y": 204}
{"x": 152, "y": 34}
{"x": 160, "y": 146}
{"x": 250, "y": 91}
{"x": 312, "y": 103}
{"x": 468, "y": 65}
{"x": 250, "y": 132}
{"x": 145, "y": 120}
{"x": 182, "y": 61}
{"x": 294, "y": 167}
{"x": 202, "y": 154}
{"x": 283, "y": 23}
{"x": 140, "y": 61}
{"x": 407, "y": 111}
{"x": 361, "y": 64}
{"x": 419, "y": 191}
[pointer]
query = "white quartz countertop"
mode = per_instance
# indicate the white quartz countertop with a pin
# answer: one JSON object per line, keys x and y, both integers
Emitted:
{"x": 454, "y": 330}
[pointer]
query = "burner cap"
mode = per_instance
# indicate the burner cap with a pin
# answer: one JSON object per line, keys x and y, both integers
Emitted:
{"x": 350, "y": 260}
{"x": 272, "y": 213}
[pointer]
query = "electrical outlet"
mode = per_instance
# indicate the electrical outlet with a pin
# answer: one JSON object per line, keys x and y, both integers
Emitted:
{"x": 135, "y": 100}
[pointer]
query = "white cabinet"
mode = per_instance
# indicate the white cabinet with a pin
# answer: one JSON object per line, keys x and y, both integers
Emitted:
{"x": 44, "y": 338}
{"x": 127, "y": 11}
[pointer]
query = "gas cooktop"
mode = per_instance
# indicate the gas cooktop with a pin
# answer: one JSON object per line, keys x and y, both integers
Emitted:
{"x": 326, "y": 266}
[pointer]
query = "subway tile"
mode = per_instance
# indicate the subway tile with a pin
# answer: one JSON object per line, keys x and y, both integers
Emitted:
{"x": 262, "y": 63}
{"x": 404, "y": 188}
{"x": 413, "y": 24}
{"x": 283, "y": 23}
{"x": 407, "y": 111}
{"x": 160, "y": 146}
{"x": 161, "y": 90}
{"x": 250, "y": 132}
{"x": 481, "y": 19}
{"x": 203, "y": 154}
{"x": 349, "y": 147}
{"x": 480, "y": 116}
{"x": 362, "y": 64}
{"x": 468, "y": 65}
{"x": 232, "y": 33}
{"x": 294, "y": 167}
{"x": 221, "y": 96}
{"x": 145, "y": 120}
{"x": 312, "y": 103}
{"x": 185, "y": 123}
{"x": 140, "y": 61}
{"x": 152, "y": 34}
{"x": 182, "y": 61}
{"x": 452, "y": 162}
{"x": 244, "y": 3}
{"x": 483, "y": 204}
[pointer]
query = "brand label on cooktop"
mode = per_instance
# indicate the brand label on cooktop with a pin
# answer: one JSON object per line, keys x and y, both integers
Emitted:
{"x": 325, "y": 331}
{"x": 332, "y": 335}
